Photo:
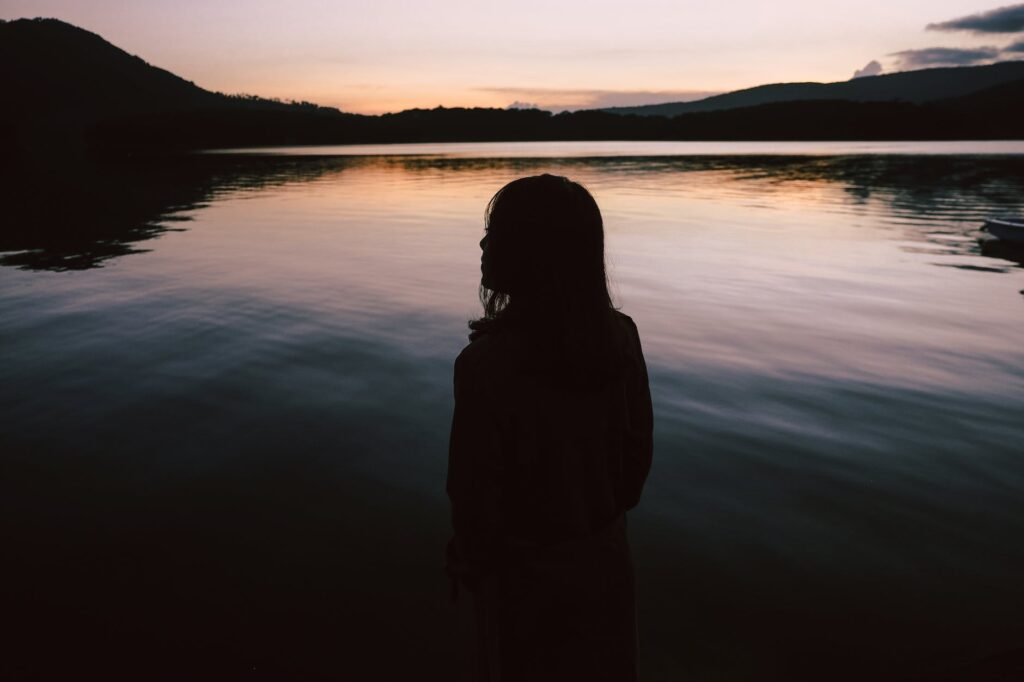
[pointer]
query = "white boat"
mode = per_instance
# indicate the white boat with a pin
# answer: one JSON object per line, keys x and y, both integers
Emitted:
{"x": 1006, "y": 229}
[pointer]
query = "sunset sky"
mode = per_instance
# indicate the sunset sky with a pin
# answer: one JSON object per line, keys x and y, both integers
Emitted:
{"x": 373, "y": 56}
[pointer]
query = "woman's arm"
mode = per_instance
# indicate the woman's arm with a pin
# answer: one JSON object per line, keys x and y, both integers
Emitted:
{"x": 474, "y": 479}
{"x": 640, "y": 427}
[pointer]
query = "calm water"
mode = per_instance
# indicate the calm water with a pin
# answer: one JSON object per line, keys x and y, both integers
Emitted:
{"x": 224, "y": 412}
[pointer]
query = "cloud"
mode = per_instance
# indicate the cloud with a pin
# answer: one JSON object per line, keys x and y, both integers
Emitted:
{"x": 872, "y": 68}
{"x": 523, "y": 105}
{"x": 1009, "y": 19}
{"x": 1017, "y": 47}
{"x": 944, "y": 56}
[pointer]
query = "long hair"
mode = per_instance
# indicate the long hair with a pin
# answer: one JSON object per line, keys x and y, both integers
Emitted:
{"x": 544, "y": 274}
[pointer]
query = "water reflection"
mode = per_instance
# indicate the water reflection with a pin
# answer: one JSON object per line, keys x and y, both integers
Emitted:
{"x": 115, "y": 207}
{"x": 84, "y": 215}
{"x": 229, "y": 452}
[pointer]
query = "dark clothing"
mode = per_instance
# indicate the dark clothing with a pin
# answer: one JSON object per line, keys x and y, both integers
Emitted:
{"x": 540, "y": 476}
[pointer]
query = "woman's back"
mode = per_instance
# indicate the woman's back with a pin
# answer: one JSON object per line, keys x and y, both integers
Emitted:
{"x": 541, "y": 472}
{"x": 550, "y": 445}
{"x": 573, "y": 458}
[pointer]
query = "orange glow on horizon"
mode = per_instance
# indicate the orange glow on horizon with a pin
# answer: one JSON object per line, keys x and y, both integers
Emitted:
{"x": 392, "y": 55}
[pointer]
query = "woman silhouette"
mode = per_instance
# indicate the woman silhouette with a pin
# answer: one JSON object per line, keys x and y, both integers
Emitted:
{"x": 550, "y": 445}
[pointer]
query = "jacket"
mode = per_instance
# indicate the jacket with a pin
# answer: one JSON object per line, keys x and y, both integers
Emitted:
{"x": 540, "y": 476}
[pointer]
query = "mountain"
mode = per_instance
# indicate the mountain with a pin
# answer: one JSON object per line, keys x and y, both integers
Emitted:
{"x": 72, "y": 96}
{"x": 916, "y": 87}
{"x": 1007, "y": 98}
{"x": 80, "y": 117}
{"x": 50, "y": 67}
{"x": 67, "y": 89}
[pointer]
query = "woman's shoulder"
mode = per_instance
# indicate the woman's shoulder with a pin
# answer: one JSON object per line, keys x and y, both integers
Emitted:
{"x": 485, "y": 369}
{"x": 626, "y": 320}
{"x": 485, "y": 351}
{"x": 632, "y": 333}
{"x": 477, "y": 348}
{"x": 488, "y": 346}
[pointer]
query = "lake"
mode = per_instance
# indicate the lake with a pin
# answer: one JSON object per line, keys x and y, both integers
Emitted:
{"x": 226, "y": 394}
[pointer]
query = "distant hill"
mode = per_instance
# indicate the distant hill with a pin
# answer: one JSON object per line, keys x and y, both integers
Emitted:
{"x": 916, "y": 87}
{"x": 49, "y": 67}
{"x": 1005, "y": 98}
{"x": 80, "y": 116}
{"x": 65, "y": 87}
{"x": 69, "y": 94}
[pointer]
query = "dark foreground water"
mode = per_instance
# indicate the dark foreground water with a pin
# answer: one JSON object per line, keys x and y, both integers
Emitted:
{"x": 225, "y": 399}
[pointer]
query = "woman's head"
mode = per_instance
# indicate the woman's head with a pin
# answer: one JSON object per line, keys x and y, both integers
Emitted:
{"x": 543, "y": 251}
{"x": 543, "y": 272}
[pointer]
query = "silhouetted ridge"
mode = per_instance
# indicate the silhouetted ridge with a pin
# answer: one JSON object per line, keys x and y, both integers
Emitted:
{"x": 917, "y": 87}
{"x": 1008, "y": 97}
{"x": 73, "y": 94}
{"x": 65, "y": 85}
{"x": 49, "y": 66}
